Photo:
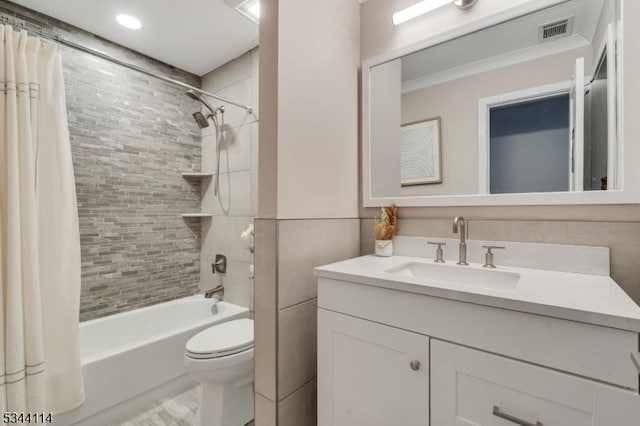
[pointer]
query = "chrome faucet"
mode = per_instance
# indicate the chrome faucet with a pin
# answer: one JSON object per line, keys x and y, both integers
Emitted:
{"x": 215, "y": 293}
{"x": 460, "y": 225}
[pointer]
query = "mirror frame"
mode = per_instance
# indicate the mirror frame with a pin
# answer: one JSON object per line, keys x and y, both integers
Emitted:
{"x": 627, "y": 194}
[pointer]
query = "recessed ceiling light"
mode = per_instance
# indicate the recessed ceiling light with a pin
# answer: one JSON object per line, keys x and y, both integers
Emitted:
{"x": 129, "y": 21}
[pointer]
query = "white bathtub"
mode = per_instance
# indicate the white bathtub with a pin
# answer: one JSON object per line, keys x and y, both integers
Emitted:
{"x": 129, "y": 359}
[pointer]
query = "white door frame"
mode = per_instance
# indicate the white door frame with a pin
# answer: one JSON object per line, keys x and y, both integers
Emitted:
{"x": 484, "y": 109}
{"x": 608, "y": 47}
{"x": 577, "y": 128}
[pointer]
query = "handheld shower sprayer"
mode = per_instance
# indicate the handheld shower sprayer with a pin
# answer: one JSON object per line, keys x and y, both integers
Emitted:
{"x": 202, "y": 120}
{"x": 198, "y": 97}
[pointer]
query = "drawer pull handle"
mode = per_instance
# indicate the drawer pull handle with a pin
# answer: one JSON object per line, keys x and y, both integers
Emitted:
{"x": 415, "y": 365}
{"x": 498, "y": 413}
{"x": 635, "y": 357}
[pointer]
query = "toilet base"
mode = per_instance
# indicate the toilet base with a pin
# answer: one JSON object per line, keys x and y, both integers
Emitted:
{"x": 229, "y": 404}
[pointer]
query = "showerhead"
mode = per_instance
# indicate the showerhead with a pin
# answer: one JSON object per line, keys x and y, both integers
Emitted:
{"x": 201, "y": 120}
{"x": 197, "y": 97}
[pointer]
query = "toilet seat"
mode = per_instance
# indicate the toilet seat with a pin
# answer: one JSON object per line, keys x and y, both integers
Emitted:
{"x": 221, "y": 340}
{"x": 220, "y": 359}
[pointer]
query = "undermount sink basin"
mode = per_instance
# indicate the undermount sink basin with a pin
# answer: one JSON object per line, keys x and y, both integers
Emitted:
{"x": 434, "y": 272}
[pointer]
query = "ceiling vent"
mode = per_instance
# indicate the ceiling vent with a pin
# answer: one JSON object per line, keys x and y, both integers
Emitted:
{"x": 555, "y": 30}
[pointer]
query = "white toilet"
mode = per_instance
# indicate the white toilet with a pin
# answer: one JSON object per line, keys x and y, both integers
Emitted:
{"x": 221, "y": 359}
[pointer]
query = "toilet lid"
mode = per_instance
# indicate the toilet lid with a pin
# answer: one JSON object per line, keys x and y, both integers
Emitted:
{"x": 222, "y": 339}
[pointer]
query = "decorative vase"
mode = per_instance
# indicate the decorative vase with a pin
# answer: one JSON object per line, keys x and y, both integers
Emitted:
{"x": 384, "y": 248}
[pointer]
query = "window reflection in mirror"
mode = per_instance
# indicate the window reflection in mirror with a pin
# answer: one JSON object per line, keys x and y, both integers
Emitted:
{"x": 526, "y": 106}
{"x": 528, "y": 146}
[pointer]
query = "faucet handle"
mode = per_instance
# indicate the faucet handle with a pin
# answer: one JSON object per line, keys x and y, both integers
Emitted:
{"x": 220, "y": 264}
{"x": 488, "y": 257}
{"x": 439, "y": 251}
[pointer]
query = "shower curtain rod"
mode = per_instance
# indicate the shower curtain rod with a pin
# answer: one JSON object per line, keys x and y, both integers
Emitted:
{"x": 35, "y": 30}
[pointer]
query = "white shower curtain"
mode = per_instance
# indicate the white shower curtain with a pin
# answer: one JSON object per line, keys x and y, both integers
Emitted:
{"x": 40, "y": 244}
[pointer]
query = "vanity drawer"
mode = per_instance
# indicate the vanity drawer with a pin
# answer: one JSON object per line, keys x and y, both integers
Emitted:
{"x": 587, "y": 350}
{"x": 470, "y": 387}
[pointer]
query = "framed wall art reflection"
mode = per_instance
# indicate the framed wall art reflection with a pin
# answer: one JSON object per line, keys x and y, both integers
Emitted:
{"x": 421, "y": 153}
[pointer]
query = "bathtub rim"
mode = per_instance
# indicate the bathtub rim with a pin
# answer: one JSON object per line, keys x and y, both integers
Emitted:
{"x": 236, "y": 312}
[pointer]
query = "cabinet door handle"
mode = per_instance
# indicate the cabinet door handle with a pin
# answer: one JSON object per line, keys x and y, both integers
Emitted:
{"x": 635, "y": 357}
{"x": 415, "y": 365}
{"x": 505, "y": 416}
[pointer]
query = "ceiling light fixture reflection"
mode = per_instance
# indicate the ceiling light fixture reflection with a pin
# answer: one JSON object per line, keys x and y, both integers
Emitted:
{"x": 426, "y": 6}
{"x": 250, "y": 9}
{"x": 255, "y": 10}
{"x": 129, "y": 21}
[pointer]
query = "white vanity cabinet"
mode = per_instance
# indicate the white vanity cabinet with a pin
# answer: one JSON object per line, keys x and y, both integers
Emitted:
{"x": 472, "y": 387}
{"x": 371, "y": 372}
{"x": 478, "y": 365}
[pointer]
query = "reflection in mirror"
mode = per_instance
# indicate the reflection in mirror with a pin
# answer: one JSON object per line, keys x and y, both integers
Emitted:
{"x": 528, "y": 146}
{"x": 420, "y": 161}
{"x": 525, "y": 106}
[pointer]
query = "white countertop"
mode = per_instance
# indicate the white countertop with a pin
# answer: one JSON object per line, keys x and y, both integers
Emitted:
{"x": 593, "y": 299}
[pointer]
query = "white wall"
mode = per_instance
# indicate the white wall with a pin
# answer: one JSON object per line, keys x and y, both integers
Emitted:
{"x": 316, "y": 98}
{"x": 268, "y": 127}
{"x": 318, "y": 108}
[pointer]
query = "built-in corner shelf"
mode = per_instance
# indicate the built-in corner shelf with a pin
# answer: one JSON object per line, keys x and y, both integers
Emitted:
{"x": 196, "y": 175}
{"x": 196, "y": 215}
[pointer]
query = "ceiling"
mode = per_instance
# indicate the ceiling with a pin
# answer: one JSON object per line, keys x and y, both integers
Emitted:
{"x": 195, "y": 35}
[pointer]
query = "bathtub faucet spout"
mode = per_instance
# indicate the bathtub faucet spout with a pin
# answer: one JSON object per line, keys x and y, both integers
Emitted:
{"x": 215, "y": 293}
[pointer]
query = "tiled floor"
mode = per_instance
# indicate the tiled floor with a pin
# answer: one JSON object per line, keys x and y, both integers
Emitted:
{"x": 173, "y": 410}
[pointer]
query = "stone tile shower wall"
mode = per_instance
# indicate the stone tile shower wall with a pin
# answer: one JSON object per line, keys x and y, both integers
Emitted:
{"x": 131, "y": 137}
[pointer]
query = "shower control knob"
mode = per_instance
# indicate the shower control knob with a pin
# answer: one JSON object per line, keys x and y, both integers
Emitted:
{"x": 415, "y": 365}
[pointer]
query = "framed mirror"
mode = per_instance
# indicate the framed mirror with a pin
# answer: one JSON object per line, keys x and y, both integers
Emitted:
{"x": 525, "y": 111}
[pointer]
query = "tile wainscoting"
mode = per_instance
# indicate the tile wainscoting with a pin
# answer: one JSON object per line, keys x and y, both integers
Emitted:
{"x": 285, "y": 311}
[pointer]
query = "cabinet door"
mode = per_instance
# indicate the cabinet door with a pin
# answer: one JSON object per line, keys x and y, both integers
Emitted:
{"x": 370, "y": 374}
{"x": 470, "y": 387}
